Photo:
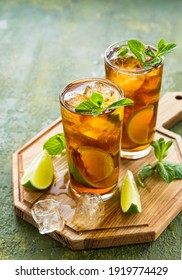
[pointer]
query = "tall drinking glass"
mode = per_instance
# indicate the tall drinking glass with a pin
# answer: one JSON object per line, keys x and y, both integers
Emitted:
{"x": 92, "y": 142}
{"x": 143, "y": 87}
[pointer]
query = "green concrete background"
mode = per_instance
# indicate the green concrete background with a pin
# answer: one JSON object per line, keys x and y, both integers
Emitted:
{"x": 43, "y": 46}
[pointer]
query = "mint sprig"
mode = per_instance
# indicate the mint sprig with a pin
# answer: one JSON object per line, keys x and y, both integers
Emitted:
{"x": 167, "y": 170}
{"x": 146, "y": 55}
{"x": 97, "y": 99}
{"x": 96, "y": 105}
{"x": 164, "y": 48}
{"x": 55, "y": 145}
{"x": 161, "y": 148}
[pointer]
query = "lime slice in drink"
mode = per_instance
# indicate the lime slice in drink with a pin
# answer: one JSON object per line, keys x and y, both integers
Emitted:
{"x": 74, "y": 170}
{"x": 130, "y": 198}
{"x": 98, "y": 164}
{"x": 39, "y": 175}
{"x": 138, "y": 125}
{"x": 91, "y": 167}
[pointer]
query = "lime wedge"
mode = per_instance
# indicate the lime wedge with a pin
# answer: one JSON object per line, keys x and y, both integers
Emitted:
{"x": 39, "y": 175}
{"x": 130, "y": 198}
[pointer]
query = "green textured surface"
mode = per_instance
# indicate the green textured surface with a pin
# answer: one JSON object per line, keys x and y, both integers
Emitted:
{"x": 45, "y": 45}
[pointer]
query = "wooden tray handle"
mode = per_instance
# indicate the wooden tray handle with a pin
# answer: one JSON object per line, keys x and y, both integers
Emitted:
{"x": 169, "y": 113}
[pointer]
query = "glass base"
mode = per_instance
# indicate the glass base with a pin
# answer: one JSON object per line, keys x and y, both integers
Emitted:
{"x": 104, "y": 196}
{"x": 135, "y": 155}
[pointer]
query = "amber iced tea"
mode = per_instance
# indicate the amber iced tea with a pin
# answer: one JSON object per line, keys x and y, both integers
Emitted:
{"x": 92, "y": 142}
{"x": 143, "y": 87}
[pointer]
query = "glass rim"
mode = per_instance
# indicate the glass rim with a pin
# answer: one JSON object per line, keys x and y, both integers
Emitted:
{"x": 83, "y": 80}
{"x": 129, "y": 72}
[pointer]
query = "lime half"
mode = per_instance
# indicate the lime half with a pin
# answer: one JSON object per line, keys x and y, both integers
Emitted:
{"x": 130, "y": 198}
{"x": 39, "y": 175}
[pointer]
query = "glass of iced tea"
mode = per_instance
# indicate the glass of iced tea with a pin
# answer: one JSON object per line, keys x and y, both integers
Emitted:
{"x": 143, "y": 87}
{"x": 92, "y": 142}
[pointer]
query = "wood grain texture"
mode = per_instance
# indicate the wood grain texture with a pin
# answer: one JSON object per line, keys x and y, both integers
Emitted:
{"x": 161, "y": 202}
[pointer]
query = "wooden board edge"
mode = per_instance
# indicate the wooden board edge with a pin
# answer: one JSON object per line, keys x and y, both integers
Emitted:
{"x": 174, "y": 211}
{"x": 14, "y": 161}
{"x": 169, "y": 133}
{"x": 123, "y": 237}
{"x": 167, "y": 101}
{"x": 103, "y": 242}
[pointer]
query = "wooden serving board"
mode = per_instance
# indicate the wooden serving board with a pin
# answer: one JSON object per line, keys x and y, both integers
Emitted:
{"x": 161, "y": 202}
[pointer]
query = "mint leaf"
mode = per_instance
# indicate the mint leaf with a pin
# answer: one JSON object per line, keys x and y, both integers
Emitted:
{"x": 97, "y": 99}
{"x": 55, "y": 144}
{"x": 122, "y": 52}
{"x": 157, "y": 150}
{"x": 166, "y": 49}
{"x": 177, "y": 167}
{"x": 85, "y": 106}
{"x": 161, "y": 44}
{"x": 165, "y": 171}
{"x": 151, "y": 53}
{"x": 120, "y": 103}
{"x": 144, "y": 172}
{"x": 164, "y": 148}
{"x": 151, "y": 63}
{"x": 95, "y": 105}
{"x": 161, "y": 148}
{"x": 96, "y": 112}
{"x": 138, "y": 49}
